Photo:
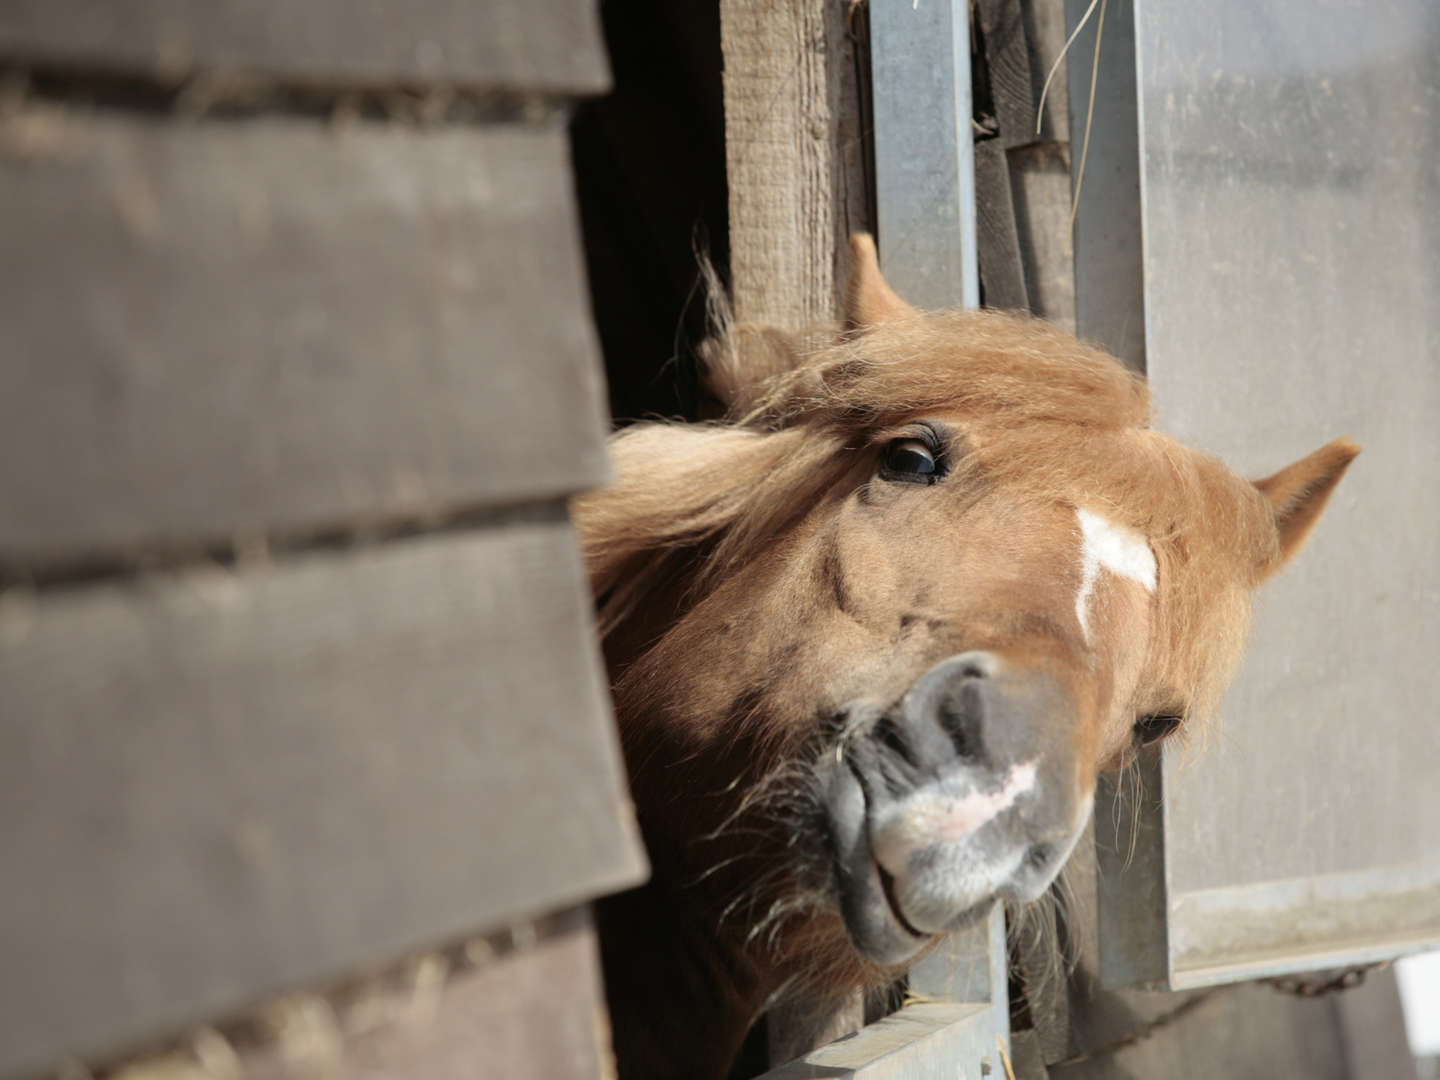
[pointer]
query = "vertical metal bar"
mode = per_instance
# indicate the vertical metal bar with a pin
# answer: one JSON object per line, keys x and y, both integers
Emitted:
{"x": 1132, "y": 887}
{"x": 1109, "y": 284}
{"x": 971, "y": 966}
{"x": 924, "y": 153}
{"x": 925, "y": 208}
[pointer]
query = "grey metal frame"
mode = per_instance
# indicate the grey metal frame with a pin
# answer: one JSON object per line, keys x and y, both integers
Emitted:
{"x": 924, "y": 156}
{"x": 925, "y": 202}
{"x": 1281, "y": 169}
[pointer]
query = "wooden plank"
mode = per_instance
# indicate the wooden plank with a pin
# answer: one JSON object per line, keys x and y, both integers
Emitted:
{"x": 794, "y": 149}
{"x": 1046, "y": 29}
{"x": 920, "y": 1042}
{"x": 219, "y": 784}
{"x": 1002, "y": 274}
{"x": 224, "y": 329}
{"x": 1040, "y": 187}
{"x": 532, "y": 1013}
{"x": 1023, "y": 194}
{"x": 554, "y": 46}
{"x": 1007, "y": 60}
{"x": 525, "y": 1003}
{"x": 795, "y": 1026}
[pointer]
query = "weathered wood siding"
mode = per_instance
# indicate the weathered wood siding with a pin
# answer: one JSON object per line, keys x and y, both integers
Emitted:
{"x": 296, "y": 669}
{"x": 266, "y": 327}
{"x": 549, "y": 48}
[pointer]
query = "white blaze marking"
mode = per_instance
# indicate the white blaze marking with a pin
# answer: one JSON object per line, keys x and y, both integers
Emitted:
{"x": 1116, "y": 548}
{"x": 933, "y": 818}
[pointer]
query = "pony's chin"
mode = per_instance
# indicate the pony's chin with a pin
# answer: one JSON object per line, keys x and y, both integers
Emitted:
{"x": 874, "y": 915}
{"x": 873, "y": 919}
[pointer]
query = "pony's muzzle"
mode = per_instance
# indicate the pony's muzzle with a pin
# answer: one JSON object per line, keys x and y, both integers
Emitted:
{"x": 969, "y": 789}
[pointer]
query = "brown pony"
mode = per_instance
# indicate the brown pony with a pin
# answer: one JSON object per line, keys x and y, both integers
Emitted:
{"x": 872, "y": 640}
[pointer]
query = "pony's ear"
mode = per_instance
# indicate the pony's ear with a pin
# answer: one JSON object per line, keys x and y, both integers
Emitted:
{"x": 739, "y": 367}
{"x": 1298, "y": 493}
{"x": 868, "y": 299}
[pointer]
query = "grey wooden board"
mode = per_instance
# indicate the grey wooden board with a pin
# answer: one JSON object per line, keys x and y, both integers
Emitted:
{"x": 216, "y": 784}
{"x": 798, "y": 1025}
{"x": 555, "y": 45}
{"x": 1040, "y": 186}
{"x": 1291, "y": 264}
{"x": 1040, "y": 172}
{"x": 535, "y": 1013}
{"x": 928, "y": 1041}
{"x": 246, "y": 327}
{"x": 1008, "y": 56}
{"x": 1045, "y": 34}
{"x": 794, "y": 142}
{"x": 1002, "y": 274}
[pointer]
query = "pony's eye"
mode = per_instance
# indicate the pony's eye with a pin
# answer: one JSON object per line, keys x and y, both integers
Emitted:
{"x": 910, "y": 460}
{"x": 1153, "y": 728}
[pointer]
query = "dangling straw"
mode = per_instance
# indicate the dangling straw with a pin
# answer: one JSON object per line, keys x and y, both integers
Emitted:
{"x": 1089, "y": 113}
{"x": 1090, "y": 106}
{"x": 1049, "y": 78}
{"x": 1004, "y": 1057}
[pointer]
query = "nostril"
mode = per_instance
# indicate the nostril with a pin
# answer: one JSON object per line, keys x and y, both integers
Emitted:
{"x": 957, "y": 726}
{"x": 960, "y": 714}
{"x": 975, "y": 664}
{"x": 888, "y": 734}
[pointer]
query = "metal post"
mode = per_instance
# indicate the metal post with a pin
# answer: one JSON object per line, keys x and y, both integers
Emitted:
{"x": 924, "y": 151}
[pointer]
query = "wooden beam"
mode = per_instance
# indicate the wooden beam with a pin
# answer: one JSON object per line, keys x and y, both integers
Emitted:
{"x": 217, "y": 785}
{"x": 297, "y": 329}
{"x": 1002, "y": 270}
{"x": 498, "y": 45}
{"x": 799, "y": 1025}
{"x": 794, "y": 147}
{"x": 929, "y": 1041}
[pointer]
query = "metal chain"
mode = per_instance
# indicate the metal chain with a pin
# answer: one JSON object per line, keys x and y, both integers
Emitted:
{"x": 1323, "y": 982}
{"x": 1144, "y": 1031}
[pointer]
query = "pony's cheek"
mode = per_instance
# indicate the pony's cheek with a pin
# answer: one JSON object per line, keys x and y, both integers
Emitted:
{"x": 859, "y": 568}
{"x": 902, "y": 551}
{"x": 1124, "y": 651}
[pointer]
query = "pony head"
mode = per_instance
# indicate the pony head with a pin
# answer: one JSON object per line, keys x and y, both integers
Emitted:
{"x": 874, "y": 637}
